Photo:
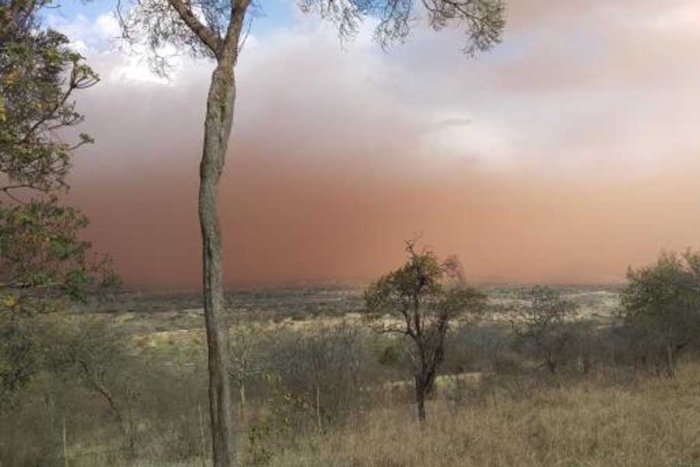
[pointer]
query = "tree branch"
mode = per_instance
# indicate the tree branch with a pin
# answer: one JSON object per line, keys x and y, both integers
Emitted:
{"x": 235, "y": 26}
{"x": 7, "y": 190}
{"x": 211, "y": 40}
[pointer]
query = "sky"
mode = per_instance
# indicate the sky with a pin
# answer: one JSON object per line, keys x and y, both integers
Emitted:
{"x": 565, "y": 155}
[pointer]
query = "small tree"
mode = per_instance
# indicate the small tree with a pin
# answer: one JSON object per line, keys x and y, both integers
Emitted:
{"x": 42, "y": 259}
{"x": 322, "y": 371}
{"x": 245, "y": 360}
{"x": 545, "y": 319}
{"x": 426, "y": 295}
{"x": 39, "y": 74}
{"x": 93, "y": 353}
{"x": 661, "y": 306}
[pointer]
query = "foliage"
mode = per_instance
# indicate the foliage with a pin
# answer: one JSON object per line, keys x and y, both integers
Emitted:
{"x": 18, "y": 357}
{"x": 661, "y": 305}
{"x": 40, "y": 250}
{"x": 39, "y": 73}
{"x": 201, "y": 27}
{"x": 43, "y": 264}
{"x": 43, "y": 260}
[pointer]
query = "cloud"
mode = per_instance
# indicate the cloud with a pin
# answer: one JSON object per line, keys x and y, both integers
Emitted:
{"x": 564, "y": 155}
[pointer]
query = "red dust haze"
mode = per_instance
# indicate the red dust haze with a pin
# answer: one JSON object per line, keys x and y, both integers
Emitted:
{"x": 286, "y": 223}
{"x": 565, "y": 155}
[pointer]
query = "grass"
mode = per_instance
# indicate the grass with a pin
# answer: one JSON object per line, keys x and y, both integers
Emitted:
{"x": 497, "y": 420}
{"x": 651, "y": 423}
{"x": 158, "y": 319}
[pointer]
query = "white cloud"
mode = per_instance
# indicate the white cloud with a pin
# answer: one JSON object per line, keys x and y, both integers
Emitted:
{"x": 565, "y": 94}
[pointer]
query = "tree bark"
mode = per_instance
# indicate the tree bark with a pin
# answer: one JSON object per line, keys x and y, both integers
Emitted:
{"x": 318, "y": 408}
{"x": 203, "y": 453}
{"x": 670, "y": 362}
{"x": 217, "y": 129}
{"x": 241, "y": 392}
{"x": 420, "y": 398}
{"x": 65, "y": 443}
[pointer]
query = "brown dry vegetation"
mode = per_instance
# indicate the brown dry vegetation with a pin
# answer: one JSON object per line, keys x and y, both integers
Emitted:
{"x": 651, "y": 422}
{"x": 606, "y": 420}
{"x": 495, "y": 404}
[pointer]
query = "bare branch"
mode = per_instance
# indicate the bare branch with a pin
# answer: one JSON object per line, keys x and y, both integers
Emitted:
{"x": 245, "y": 36}
{"x": 211, "y": 40}
{"x": 235, "y": 27}
{"x": 8, "y": 191}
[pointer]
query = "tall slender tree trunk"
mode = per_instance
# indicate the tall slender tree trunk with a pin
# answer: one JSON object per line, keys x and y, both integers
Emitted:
{"x": 217, "y": 129}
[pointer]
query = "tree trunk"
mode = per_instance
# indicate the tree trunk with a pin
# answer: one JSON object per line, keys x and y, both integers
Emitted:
{"x": 420, "y": 397}
{"x": 217, "y": 129}
{"x": 670, "y": 362}
{"x": 551, "y": 364}
{"x": 132, "y": 427}
{"x": 241, "y": 392}
{"x": 318, "y": 408}
{"x": 64, "y": 439}
{"x": 202, "y": 453}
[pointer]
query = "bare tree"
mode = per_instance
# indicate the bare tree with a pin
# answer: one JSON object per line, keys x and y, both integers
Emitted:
{"x": 245, "y": 361}
{"x": 426, "y": 295}
{"x": 216, "y": 29}
{"x": 544, "y": 318}
{"x": 322, "y": 371}
{"x": 92, "y": 352}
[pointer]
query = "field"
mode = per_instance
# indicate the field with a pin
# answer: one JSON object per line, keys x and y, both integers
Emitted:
{"x": 316, "y": 387}
{"x": 157, "y": 316}
{"x": 597, "y": 423}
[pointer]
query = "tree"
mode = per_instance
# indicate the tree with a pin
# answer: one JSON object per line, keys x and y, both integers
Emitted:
{"x": 93, "y": 353}
{"x": 39, "y": 74}
{"x": 661, "y": 306}
{"x": 215, "y": 29}
{"x": 321, "y": 371}
{"x": 43, "y": 260}
{"x": 245, "y": 360}
{"x": 545, "y": 319}
{"x": 426, "y": 296}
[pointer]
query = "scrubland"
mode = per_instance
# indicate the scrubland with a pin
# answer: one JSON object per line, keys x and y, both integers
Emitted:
{"x": 598, "y": 422}
{"x": 315, "y": 387}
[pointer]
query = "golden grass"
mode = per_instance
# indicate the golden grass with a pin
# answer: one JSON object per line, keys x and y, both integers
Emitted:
{"x": 653, "y": 423}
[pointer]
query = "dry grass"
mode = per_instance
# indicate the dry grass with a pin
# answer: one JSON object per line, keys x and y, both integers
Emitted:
{"x": 652, "y": 423}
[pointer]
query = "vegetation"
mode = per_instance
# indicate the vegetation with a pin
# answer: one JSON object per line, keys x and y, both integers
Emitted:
{"x": 39, "y": 74}
{"x": 216, "y": 30}
{"x": 662, "y": 308}
{"x": 600, "y": 423}
{"x": 40, "y": 249}
{"x": 545, "y": 319}
{"x": 540, "y": 376}
{"x": 130, "y": 388}
{"x": 426, "y": 295}
{"x": 43, "y": 260}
